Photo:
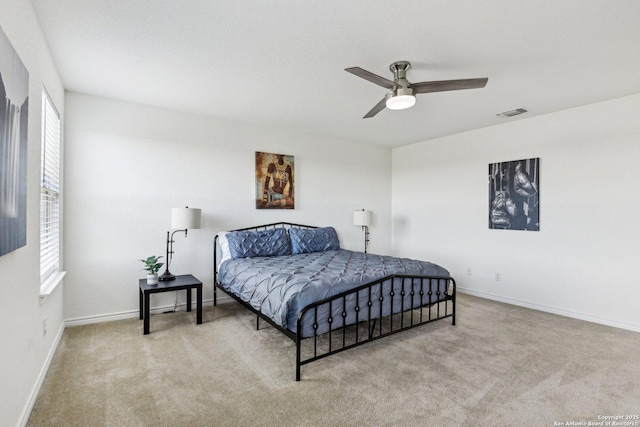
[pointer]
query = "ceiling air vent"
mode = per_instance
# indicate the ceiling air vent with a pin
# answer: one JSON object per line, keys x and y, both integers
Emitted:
{"x": 512, "y": 113}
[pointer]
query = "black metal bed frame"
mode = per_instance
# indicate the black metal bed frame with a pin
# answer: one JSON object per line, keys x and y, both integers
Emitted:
{"x": 371, "y": 326}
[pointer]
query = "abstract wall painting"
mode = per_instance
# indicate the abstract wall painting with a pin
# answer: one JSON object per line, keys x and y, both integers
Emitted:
{"x": 514, "y": 195}
{"x": 14, "y": 112}
{"x": 274, "y": 181}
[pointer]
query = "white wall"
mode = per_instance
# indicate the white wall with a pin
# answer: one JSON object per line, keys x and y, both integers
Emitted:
{"x": 127, "y": 165}
{"x": 25, "y": 352}
{"x": 583, "y": 261}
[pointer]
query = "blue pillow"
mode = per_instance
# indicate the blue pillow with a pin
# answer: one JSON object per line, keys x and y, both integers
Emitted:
{"x": 244, "y": 244}
{"x": 313, "y": 240}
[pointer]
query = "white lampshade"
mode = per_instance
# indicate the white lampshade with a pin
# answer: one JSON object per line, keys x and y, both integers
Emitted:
{"x": 362, "y": 218}
{"x": 400, "y": 102}
{"x": 185, "y": 218}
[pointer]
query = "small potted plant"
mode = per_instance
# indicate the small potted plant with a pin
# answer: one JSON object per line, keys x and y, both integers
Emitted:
{"x": 152, "y": 266}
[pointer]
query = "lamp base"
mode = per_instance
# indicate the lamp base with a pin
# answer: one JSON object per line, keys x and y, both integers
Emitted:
{"x": 167, "y": 276}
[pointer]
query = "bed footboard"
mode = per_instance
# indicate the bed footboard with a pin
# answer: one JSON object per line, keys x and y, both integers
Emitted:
{"x": 370, "y": 312}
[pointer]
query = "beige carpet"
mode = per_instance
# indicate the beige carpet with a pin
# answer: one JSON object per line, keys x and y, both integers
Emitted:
{"x": 500, "y": 365}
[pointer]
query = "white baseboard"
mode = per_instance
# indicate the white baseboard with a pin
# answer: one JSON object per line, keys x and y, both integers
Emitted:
{"x": 110, "y": 317}
{"x": 33, "y": 396}
{"x": 546, "y": 309}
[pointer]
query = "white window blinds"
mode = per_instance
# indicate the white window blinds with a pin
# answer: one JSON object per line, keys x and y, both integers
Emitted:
{"x": 49, "y": 190}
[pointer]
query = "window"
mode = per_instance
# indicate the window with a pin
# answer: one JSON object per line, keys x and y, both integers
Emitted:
{"x": 49, "y": 195}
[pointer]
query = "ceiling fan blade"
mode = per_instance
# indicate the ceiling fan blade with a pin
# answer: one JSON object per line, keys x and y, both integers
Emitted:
{"x": 375, "y": 110}
{"x": 373, "y": 78}
{"x": 445, "y": 85}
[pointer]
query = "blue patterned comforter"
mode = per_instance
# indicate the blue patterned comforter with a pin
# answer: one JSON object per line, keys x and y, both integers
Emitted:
{"x": 280, "y": 287}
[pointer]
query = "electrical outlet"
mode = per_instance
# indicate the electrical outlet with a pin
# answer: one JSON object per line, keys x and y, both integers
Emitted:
{"x": 469, "y": 271}
{"x": 498, "y": 276}
{"x": 44, "y": 326}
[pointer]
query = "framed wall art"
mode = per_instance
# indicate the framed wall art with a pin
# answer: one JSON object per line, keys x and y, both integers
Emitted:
{"x": 14, "y": 115}
{"x": 274, "y": 181}
{"x": 514, "y": 195}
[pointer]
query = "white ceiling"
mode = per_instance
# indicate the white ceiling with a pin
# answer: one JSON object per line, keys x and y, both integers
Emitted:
{"x": 280, "y": 63}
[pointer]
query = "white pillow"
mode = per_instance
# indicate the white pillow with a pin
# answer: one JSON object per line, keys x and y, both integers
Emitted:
{"x": 224, "y": 247}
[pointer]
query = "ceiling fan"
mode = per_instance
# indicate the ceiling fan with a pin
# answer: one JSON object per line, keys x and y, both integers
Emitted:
{"x": 402, "y": 93}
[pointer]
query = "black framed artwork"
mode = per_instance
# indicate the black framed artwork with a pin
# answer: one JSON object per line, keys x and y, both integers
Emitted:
{"x": 514, "y": 195}
{"x": 14, "y": 115}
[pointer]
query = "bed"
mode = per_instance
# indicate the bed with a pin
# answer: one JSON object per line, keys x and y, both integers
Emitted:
{"x": 327, "y": 299}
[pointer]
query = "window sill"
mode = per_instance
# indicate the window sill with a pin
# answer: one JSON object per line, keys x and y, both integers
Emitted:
{"x": 50, "y": 285}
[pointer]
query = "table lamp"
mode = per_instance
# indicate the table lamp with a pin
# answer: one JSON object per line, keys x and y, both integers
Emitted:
{"x": 182, "y": 219}
{"x": 363, "y": 218}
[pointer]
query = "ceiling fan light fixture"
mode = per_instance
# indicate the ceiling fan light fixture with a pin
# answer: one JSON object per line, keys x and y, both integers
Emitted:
{"x": 400, "y": 102}
{"x": 401, "y": 92}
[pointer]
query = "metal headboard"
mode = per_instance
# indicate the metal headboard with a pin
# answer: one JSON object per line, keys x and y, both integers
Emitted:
{"x": 253, "y": 228}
